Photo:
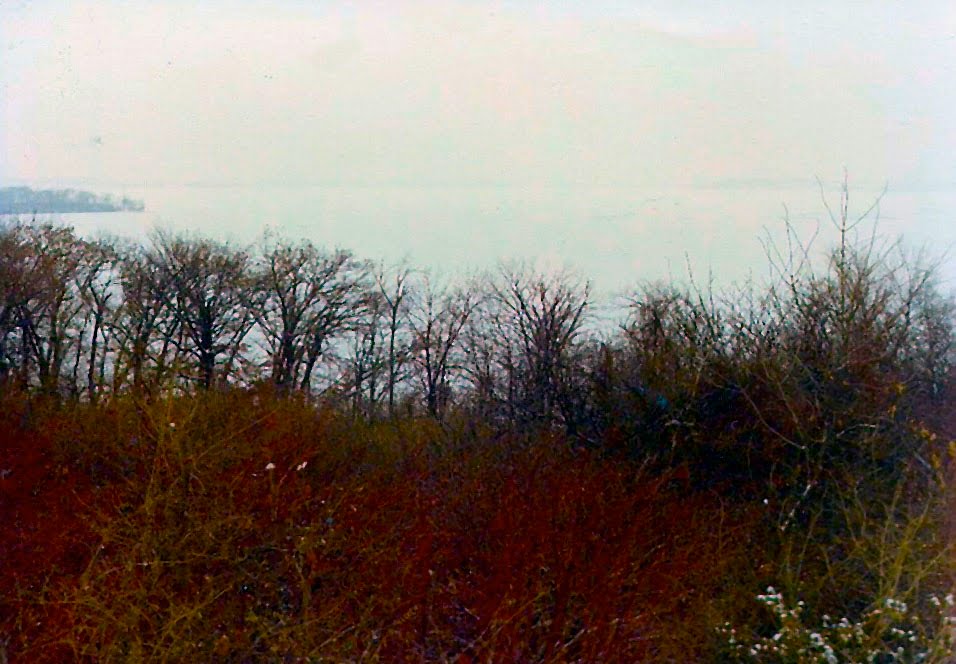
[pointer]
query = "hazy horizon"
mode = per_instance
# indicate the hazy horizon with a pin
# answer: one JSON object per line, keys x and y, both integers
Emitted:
{"x": 616, "y": 138}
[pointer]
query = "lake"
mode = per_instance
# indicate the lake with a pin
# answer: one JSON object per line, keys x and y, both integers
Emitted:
{"x": 616, "y": 236}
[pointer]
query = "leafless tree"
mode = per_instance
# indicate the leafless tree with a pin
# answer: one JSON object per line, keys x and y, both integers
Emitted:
{"x": 17, "y": 288}
{"x": 43, "y": 299}
{"x": 519, "y": 344}
{"x": 309, "y": 297}
{"x": 393, "y": 289}
{"x": 438, "y": 319}
{"x": 378, "y": 348}
{"x": 213, "y": 296}
{"x": 147, "y": 327}
{"x": 544, "y": 314}
{"x": 365, "y": 357}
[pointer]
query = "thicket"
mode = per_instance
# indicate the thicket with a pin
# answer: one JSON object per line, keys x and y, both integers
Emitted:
{"x": 291, "y": 454}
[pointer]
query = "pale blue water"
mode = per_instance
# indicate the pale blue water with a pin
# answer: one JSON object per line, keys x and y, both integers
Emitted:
{"x": 618, "y": 237}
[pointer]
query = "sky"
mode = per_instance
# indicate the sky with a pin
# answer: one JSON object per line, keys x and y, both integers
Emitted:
{"x": 460, "y": 93}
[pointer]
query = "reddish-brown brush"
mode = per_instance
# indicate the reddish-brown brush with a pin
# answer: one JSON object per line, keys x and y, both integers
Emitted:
{"x": 270, "y": 531}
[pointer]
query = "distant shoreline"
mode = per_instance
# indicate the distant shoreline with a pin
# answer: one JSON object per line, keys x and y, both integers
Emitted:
{"x": 24, "y": 200}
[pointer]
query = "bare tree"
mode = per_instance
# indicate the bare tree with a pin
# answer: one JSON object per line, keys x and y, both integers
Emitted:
{"x": 543, "y": 314}
{"x": 95, "y": 280}
{"x": 393, "y": 289}
{"x": 146, "y": 327}
{"x": 18, "y": 286}
{"x": 437, "y": 321}
{"x": 378, "y": 350}
{"x": 213, "y": 297}
{"x": 491, "y": 360}
{"x": 365, "y": 357}
{"x": 309, "y": 297}
{"x": 45, "y": 302}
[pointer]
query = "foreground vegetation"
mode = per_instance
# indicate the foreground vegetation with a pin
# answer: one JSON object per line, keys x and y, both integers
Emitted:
{"x": 292, "y": 455}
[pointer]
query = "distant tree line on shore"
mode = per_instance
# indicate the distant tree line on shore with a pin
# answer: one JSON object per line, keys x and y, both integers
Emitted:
{"x": 24, "y": 200}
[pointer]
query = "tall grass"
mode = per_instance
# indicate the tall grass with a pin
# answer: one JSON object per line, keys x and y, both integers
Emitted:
{"x": 240, "y": 529}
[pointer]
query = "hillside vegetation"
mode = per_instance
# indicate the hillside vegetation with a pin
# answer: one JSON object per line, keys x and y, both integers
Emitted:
{"x": 288, "y": 454}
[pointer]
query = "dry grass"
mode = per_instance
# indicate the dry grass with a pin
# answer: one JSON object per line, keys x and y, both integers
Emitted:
{"x": 801, "y": 440}
{"x": 176, "y": 540}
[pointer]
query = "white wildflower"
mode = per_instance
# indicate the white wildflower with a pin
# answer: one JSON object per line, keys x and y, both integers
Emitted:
{"x": 829, "y": 655}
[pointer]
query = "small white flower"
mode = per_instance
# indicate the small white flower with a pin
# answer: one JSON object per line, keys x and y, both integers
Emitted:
{"x": 172, "y": 425}
{"x": 302, "y": 466}
{"x": 830, "y": 655}
{"x": 270, "y": 466}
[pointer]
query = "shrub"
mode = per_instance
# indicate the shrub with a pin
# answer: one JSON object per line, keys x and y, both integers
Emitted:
{"x": 891, "y": 631}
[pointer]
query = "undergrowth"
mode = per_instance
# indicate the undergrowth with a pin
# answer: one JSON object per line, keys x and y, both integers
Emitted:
{"x": 763, "y": 476}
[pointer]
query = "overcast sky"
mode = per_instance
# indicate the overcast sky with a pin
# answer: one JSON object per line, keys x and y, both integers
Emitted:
{"x": 478, "y": 92}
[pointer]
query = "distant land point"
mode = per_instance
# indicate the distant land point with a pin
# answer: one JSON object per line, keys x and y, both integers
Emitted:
{"x": 24, "y": 200}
